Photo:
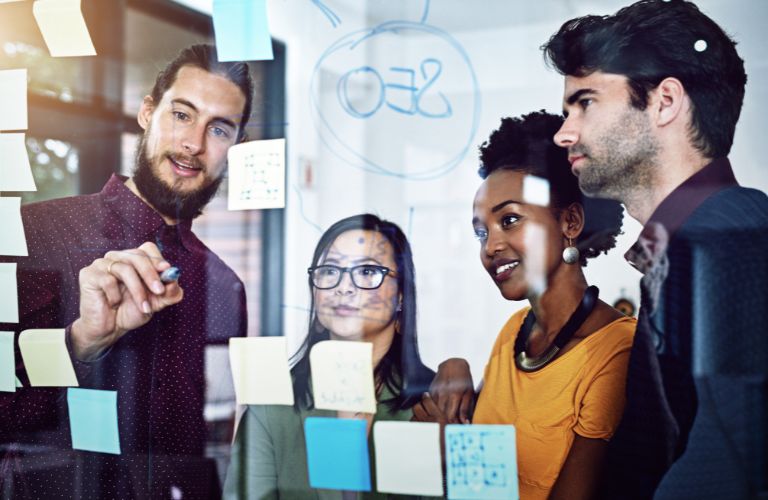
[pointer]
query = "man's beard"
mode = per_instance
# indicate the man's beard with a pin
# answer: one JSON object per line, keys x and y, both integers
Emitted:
{"x": 165, "y": 199}
{"x": 621, "y": 161}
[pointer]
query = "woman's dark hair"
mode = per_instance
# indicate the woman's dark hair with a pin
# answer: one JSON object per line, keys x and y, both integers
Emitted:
{"x": 526, "y": 145}
{"x": 651, "y": 40}
{"x": 204, "y": 57}
{"x": 401, "y": 369}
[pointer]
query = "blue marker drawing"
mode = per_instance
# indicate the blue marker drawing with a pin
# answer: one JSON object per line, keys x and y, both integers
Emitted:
{"x": 425, "y": 14}
{"x": 301, "y": 209}
{"x": 399, "y": 98}
{"x": 481, "y": 462}
{"x": 332, "y": 17}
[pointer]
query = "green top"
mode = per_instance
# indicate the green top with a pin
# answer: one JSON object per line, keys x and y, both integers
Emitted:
{"x": 269, "y": 455}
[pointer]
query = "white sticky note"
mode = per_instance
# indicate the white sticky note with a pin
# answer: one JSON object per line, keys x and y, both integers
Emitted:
{"x": 7, "y": 364}
{"x": 12, "y": 240}
{"x": 46, "y": 358}
{"x": 408, "y": 458}
{"x": 9, "y": 298}
{"x": 63, "y": 27}
{"x": 13, "y": 99}
{"x": 260, "y": 370}
{"x": 15, "y": 172}
{"x": 257, "y": 175}
{"x": 342, "y": 376}
{"x": 536, "y": 190}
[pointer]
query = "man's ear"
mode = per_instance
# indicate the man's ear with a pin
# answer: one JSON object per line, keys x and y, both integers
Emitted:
{"x": 572, "y": 220}
{"x": 671, "y": 101}
{"x": 145, "y": 111}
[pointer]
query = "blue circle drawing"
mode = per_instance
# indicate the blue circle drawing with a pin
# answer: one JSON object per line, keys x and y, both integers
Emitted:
{"x": 333, "y": 140}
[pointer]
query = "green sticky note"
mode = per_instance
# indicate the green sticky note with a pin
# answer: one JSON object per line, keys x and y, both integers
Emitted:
{"x": 7, "y": 363}
{"x": 93, "y": 420}
{"x": 46, "y": 358}
{"x": 18, "y": 382}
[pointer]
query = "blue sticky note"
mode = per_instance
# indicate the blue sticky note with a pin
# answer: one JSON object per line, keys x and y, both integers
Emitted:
{"x": 93, "y": 420}
{"x": 337, "y": 453}
{"x": 242, "y": 31}
{"x": 7, "y": 363}
{"x": 481, "y": 462}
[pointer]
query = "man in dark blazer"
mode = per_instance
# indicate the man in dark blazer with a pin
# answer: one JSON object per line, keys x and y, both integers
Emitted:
{"x": 652, "y": 97}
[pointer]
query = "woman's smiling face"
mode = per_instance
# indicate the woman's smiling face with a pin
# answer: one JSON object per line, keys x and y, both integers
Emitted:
{"x": 520, "y": 243}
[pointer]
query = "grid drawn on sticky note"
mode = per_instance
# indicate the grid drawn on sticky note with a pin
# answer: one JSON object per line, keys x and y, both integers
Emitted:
{"x": 257, "y": 175}
{"x": 481, "y": 462}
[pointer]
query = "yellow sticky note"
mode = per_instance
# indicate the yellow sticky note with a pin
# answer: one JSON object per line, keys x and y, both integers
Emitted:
{"x": 13, "y": 99}
{"x": 15, "y": 172}
{"x": 63, "y": 27}
{"x": 12, "y": 240}
{"x": 46, "y": 358}
{"x": 342, "y": 376}
{"x": 260, "y": 370}
{"x": 9, "y": 298}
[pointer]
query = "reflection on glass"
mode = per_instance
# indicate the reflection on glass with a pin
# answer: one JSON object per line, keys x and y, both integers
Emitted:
{"x": 55, "y": 165}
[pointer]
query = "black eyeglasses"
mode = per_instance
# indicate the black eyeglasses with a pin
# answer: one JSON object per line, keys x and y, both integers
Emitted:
{"x": 365, "y": 277}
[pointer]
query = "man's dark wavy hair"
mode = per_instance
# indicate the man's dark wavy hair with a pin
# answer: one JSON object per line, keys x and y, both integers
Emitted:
{"x": 204, "y": 57}
{"x": 401, "y": 369}
{"x": 526, "y": 145}
{"x": 651, "y": 40}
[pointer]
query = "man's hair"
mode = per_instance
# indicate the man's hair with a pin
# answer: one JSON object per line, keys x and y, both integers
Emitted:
{"x": 652, "y": 40}
{"x": 525, "y": 145}
{"x": 204, "y": 57}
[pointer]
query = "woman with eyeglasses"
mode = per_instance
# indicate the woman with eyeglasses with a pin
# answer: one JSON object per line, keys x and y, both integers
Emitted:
{"x": 362, "y": 288}
{"x": 558, "y": 368}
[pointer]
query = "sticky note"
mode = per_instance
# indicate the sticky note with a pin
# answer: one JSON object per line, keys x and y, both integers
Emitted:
{"x": 46, "y": 358}
{"x": 15, "y": 172}
{"x": 536, "y": 190}
{"x": 18, "y": 383}
{"x": 7, "y": 363}
{"x": 12, "y": 240}
{"x": 63, "y": 27}
{"x": 256, "y": 175}
{"x": 9, "y": 299}
{"x": 337, "y": 453}
{"x": 242, "y": 30}
{"x": 342, "y": 376}
{"x": 481, "y": 462}
{"x": 93, "y": 420}
{"x": 13, "y": 99}
{"x": 408, "y": 458}
{"x": 260, "y": 371}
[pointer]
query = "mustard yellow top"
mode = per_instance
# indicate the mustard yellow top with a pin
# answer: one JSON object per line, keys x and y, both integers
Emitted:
{"x": 581, "y": 392}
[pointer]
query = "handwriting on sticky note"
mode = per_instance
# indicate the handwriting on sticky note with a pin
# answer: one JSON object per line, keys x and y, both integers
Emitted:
{"x": 46, "y": 358}
{"x": 481, "y": 461}
{"x": 63, "y": 27}
{"x": 337, "y": 453}
{"x": 13, "y": 99}
{"x": 93, "y": 420}
{"x": 9, "y": 298}
{"x": 242, "y": 30}
{"x": 15, "y": 172}
{"x": 7, "y": 363}
{"x": 257, "y": 175}
{"x": 408, "y": 458}
{"x": 260, "y": 370}
{"x": 342, "y": 376}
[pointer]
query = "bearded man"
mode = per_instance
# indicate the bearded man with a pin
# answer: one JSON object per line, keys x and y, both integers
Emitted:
{"x": 94, "y": 269}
